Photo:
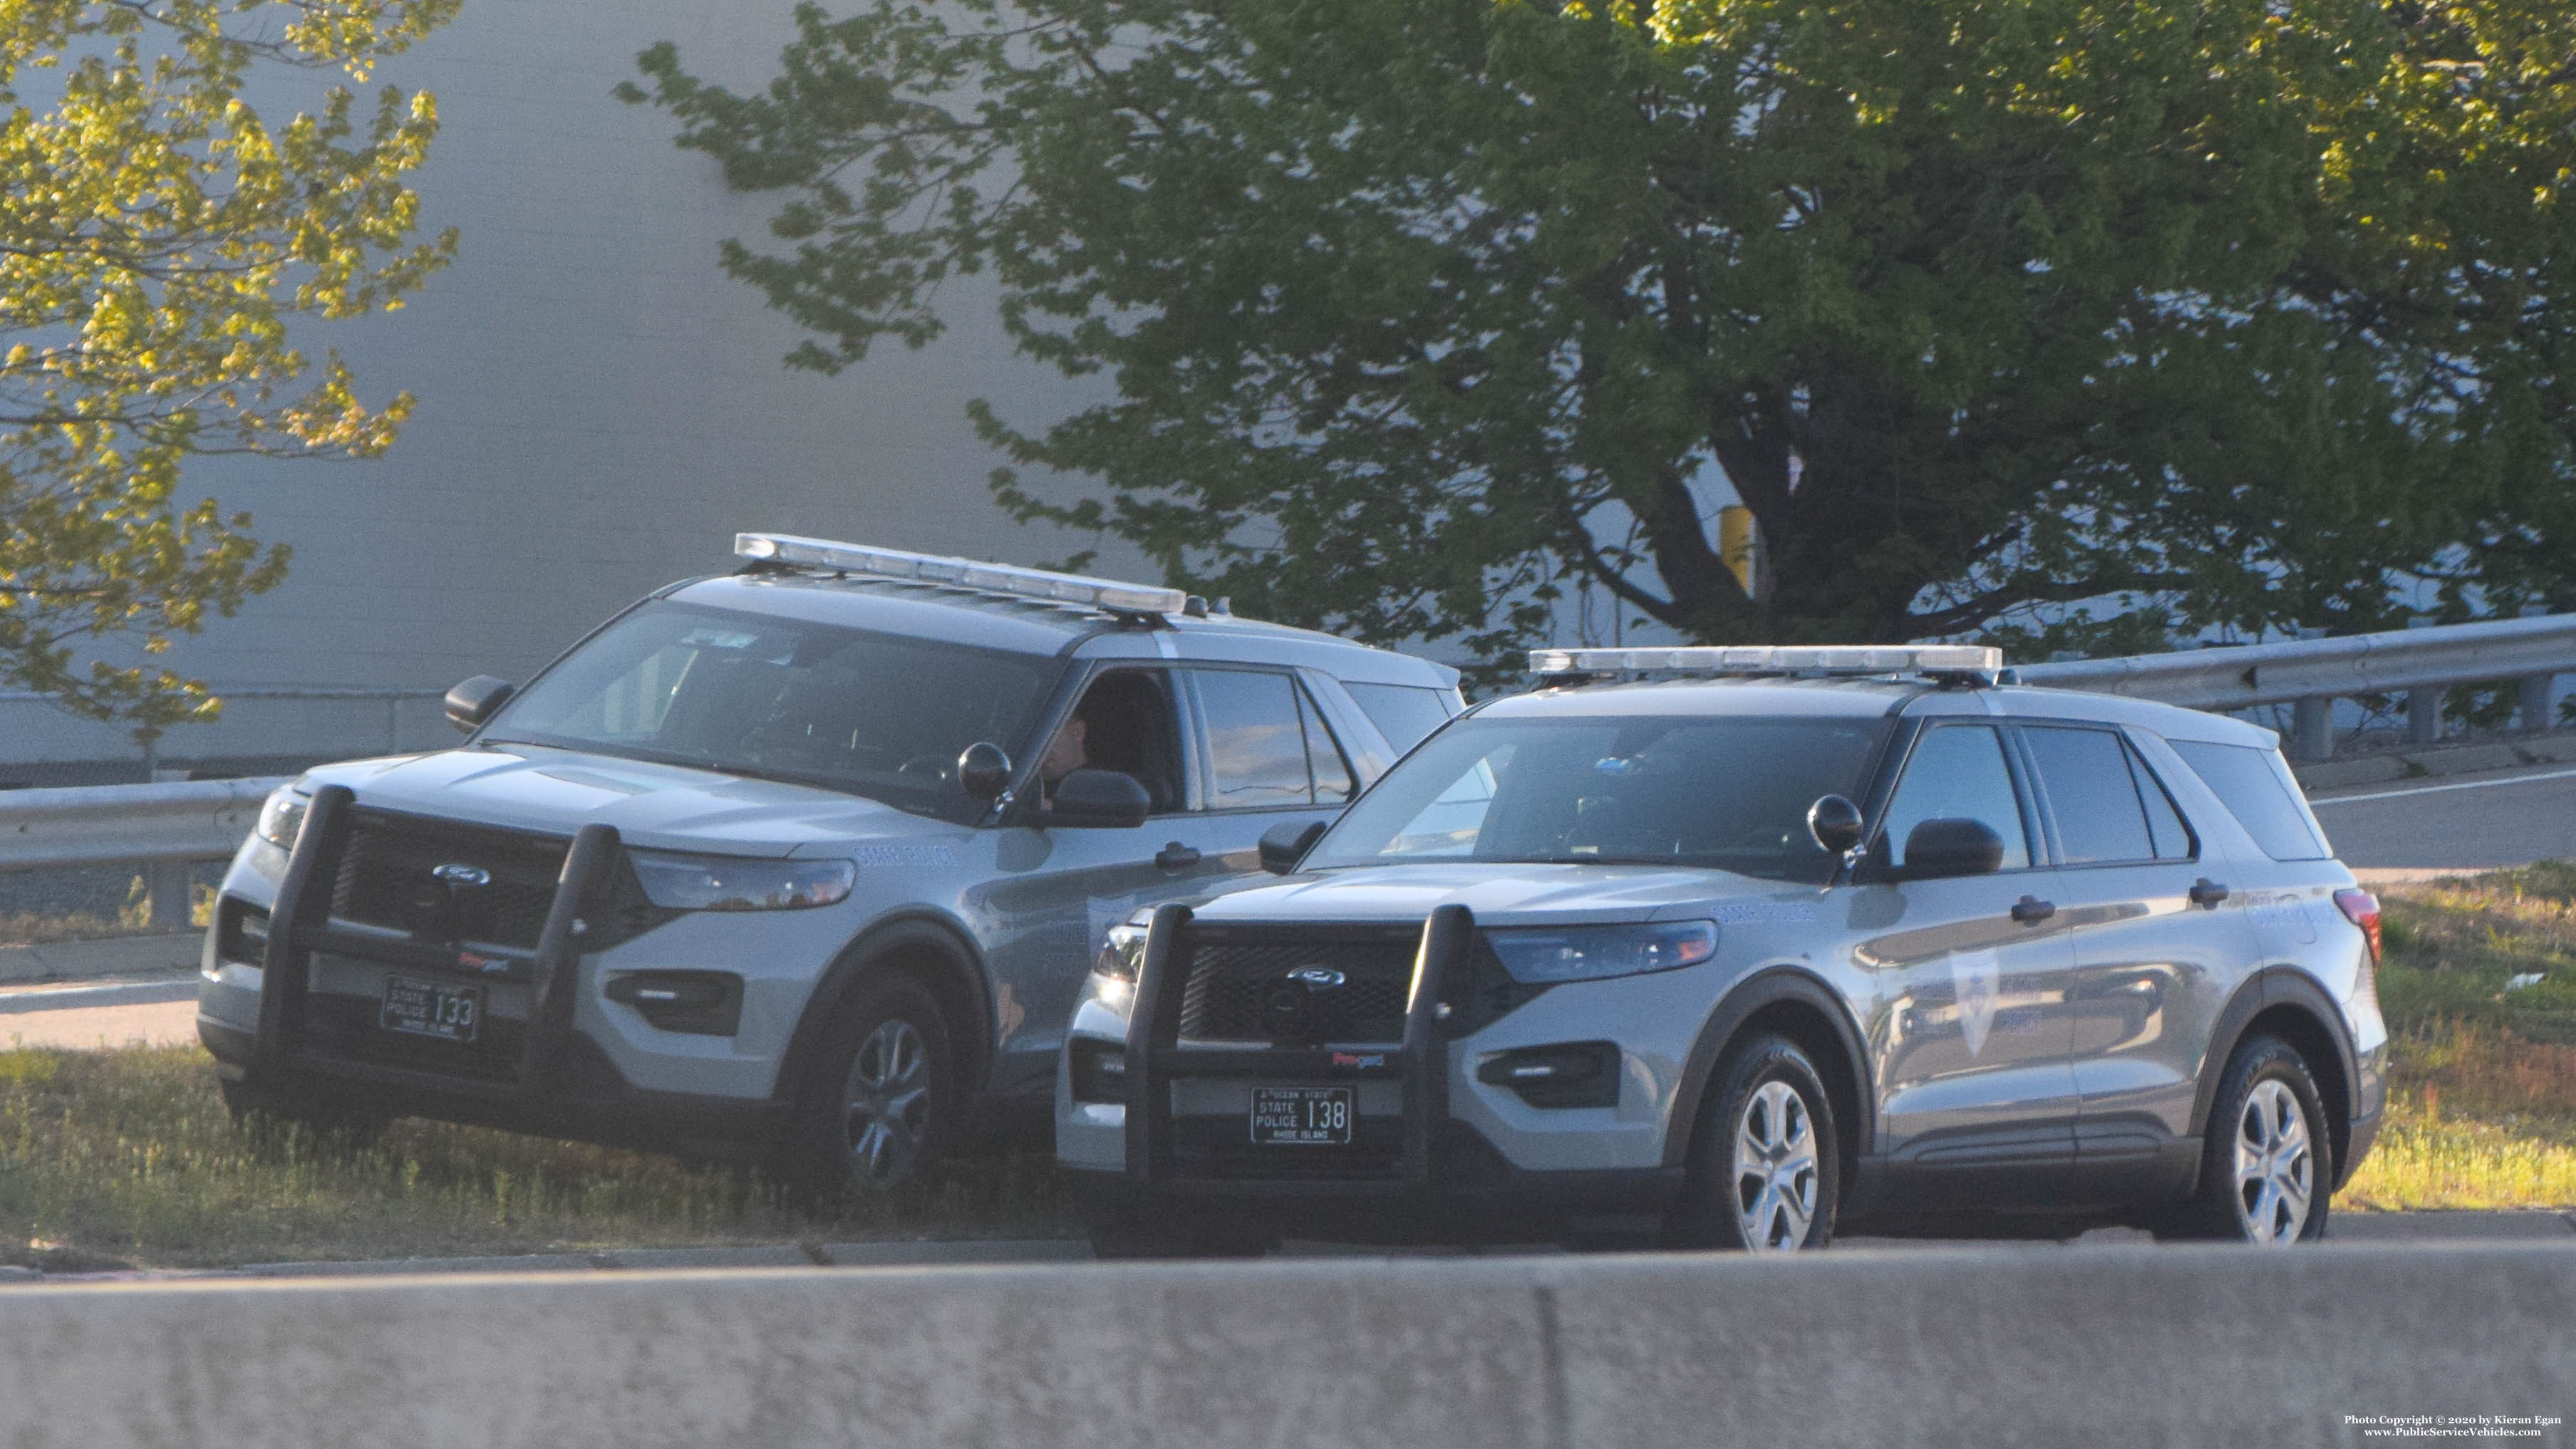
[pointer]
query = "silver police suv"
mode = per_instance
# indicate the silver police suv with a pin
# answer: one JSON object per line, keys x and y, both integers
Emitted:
{"x": 807, "y": 860}
{"x": 1746, "y": 943}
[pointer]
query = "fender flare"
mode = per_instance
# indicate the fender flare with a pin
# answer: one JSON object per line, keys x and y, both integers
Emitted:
{"x": 2274, "y": 986}
{"x": 1766, "y": 986}
{"x": 858, "y": 960}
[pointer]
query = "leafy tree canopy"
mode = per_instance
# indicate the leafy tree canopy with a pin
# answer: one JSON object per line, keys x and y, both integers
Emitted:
{"x": 157, "y": 235}
{"x": 1421, "y": 311}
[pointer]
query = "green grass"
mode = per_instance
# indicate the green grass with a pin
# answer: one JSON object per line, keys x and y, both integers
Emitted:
{"x": 128, "y": 1158}
{"x": 2482, "y": 1106}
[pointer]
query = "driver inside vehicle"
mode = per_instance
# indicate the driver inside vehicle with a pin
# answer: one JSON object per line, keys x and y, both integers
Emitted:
{"x": 1124, "y": 723}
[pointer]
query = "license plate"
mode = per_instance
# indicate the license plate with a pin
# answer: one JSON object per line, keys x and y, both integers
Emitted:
{"x": 425, "y": 1008}
{"x": 1302, "y": 1116}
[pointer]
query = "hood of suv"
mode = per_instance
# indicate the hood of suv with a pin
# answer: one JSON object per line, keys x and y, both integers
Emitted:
{"x": 668, "y": 807}
{"x": 1498, "y": 894}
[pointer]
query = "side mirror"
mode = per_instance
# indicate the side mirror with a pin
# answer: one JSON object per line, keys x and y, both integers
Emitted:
{"x": 1106, "y": 799}
{"x": 1835, "y": 823}
{"x": 471, "y": 703}
{"x": 983, "y": 770}
{"x": 1940, "y": 848}
{"x": 1286, "y": 843}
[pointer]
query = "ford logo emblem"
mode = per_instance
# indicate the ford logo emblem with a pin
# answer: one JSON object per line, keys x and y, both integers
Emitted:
{"x": 457, "y": 874}
{"x": 1317, "y": 978}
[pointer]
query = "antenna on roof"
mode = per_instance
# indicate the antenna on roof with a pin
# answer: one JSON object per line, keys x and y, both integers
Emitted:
{"x": 991, "y": 578}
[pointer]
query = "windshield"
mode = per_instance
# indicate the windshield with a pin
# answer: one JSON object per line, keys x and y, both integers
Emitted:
{"x": 1726, "y": 793}
{"x": 879, "y": 715}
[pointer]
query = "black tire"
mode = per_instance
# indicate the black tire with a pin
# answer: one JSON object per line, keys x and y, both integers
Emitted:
{"x": 2264, "y": 1077}
{"x": 1765, "y": 1086}
{"x": 877, "y": 1113}
{"x": 276, "y": 1119}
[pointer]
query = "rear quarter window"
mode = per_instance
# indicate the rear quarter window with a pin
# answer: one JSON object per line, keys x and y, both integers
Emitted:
{"x": 2256, "y": 787}
{"x": 1404, "y": 714}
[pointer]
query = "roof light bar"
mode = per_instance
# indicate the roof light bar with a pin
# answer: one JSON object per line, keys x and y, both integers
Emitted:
{"x": 1771, "y": 659}
{"x": 895, "y": 563}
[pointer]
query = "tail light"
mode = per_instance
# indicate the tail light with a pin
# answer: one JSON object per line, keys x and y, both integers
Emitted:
{"x": 2362, "y": 909}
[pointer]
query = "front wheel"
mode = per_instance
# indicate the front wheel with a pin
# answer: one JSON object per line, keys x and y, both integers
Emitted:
{"x": 2266, "y": 1161}
{"x": 878, "y": 1112}
{"x": 1766, "y": 1161}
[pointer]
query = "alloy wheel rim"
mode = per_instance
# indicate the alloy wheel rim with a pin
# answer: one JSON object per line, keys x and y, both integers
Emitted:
{"x": 887, "y": 1116}
{"x": 1775, "y": 1168}
{"x": 2275, "y": 1165}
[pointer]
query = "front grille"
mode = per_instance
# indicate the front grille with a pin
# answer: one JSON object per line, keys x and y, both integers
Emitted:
{"x": 1240, "y": 986}
{"x": 386, "y": 879}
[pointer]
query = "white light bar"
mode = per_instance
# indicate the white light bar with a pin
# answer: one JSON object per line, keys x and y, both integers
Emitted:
{"x": 1774, "y": 659}
{"x": 895, "y": 563}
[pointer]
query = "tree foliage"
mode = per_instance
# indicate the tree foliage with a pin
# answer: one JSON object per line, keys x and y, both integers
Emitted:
{"x": 1421, "y": 311}
{"x": 157, "y": 237}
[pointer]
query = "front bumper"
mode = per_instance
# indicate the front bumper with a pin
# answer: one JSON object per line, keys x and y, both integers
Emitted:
{"x": 592, "y": 1101}
{"x": 279, "y": 1012}
{"x": 1428, "y": 1135}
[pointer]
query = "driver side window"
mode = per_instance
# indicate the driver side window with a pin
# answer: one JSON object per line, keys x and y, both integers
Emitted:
{"x": 1126, "y": 723}
{"x": 1958, "y": 773}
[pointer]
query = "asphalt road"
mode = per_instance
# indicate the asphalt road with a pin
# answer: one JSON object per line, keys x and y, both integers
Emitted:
{"x": 2510, "y": 817}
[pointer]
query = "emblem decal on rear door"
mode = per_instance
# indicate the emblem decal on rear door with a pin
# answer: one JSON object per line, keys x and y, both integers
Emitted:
{"x": 1973, "y": 976}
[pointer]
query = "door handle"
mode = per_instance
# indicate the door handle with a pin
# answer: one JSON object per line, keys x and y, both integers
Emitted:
{"x": 2207, "y": 892}
{"x": 1176, "y": 856}
{"x": 2031, "y": 910}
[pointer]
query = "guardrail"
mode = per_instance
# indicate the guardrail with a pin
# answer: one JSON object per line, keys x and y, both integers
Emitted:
{"x": 163, "y": 827}
{"x": 2142, "y": 1345}
{"x": 2312, "y": 673}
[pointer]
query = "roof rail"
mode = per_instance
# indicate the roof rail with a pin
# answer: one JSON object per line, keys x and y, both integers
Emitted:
{"x": 1740, "y": 659}
{"x": 991, "y": 578}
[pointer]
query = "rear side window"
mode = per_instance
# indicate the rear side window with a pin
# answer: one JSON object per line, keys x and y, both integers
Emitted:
{"x": 1402, "y": 713}
{"x": 2257, "y": 789}
{"x": 2106, "y": 804}
{"x": 1267, "y": 744}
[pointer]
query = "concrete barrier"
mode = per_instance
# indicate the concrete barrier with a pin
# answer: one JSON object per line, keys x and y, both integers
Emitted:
{"x": 2141, "y": 1346}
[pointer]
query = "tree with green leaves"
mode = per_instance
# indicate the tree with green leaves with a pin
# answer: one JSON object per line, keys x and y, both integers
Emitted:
{"x": 157, "y": 238}
{"x": 2052, "y": 321}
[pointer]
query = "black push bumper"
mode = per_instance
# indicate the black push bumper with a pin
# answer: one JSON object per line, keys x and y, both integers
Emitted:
{"x": 1421, "y": 1163}
{"x": 559, "y": 1083}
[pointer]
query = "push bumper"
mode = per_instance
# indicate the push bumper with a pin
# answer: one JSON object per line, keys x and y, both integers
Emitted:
{"x": 1413, "y": 1162}
{"x": 557, "y": 1081}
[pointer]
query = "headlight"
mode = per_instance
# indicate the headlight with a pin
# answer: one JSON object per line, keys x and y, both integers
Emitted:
{"x": 1540, "y": 955}
{"x": 733, "y": 883}
{"x": 282, "y": 818}
{"x": 1122, "y": 951}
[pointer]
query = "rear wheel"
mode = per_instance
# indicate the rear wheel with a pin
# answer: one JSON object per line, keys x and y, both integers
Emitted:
{"x": 878, "y": 1113}
{"x": 1765, "y": 1161}
{"x": 2266, "y": 1161}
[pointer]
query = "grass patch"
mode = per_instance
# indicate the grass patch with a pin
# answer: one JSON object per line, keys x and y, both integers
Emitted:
{"x": 2482, "y": 1073}
{"x": 127, "y": 1157}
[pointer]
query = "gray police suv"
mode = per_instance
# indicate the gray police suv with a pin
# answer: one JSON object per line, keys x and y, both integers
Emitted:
{"x": 805, "y": 860}
{"x": 1754, "y": 941}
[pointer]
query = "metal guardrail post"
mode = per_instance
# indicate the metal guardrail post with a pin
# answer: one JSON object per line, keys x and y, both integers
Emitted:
{"x": 2538, "y": 706}
{"x": 2423, "y": 715}
{"x": 2312, "y": 729}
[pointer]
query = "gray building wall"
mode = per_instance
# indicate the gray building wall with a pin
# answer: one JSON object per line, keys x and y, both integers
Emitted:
{"x": 600, "y": 409}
